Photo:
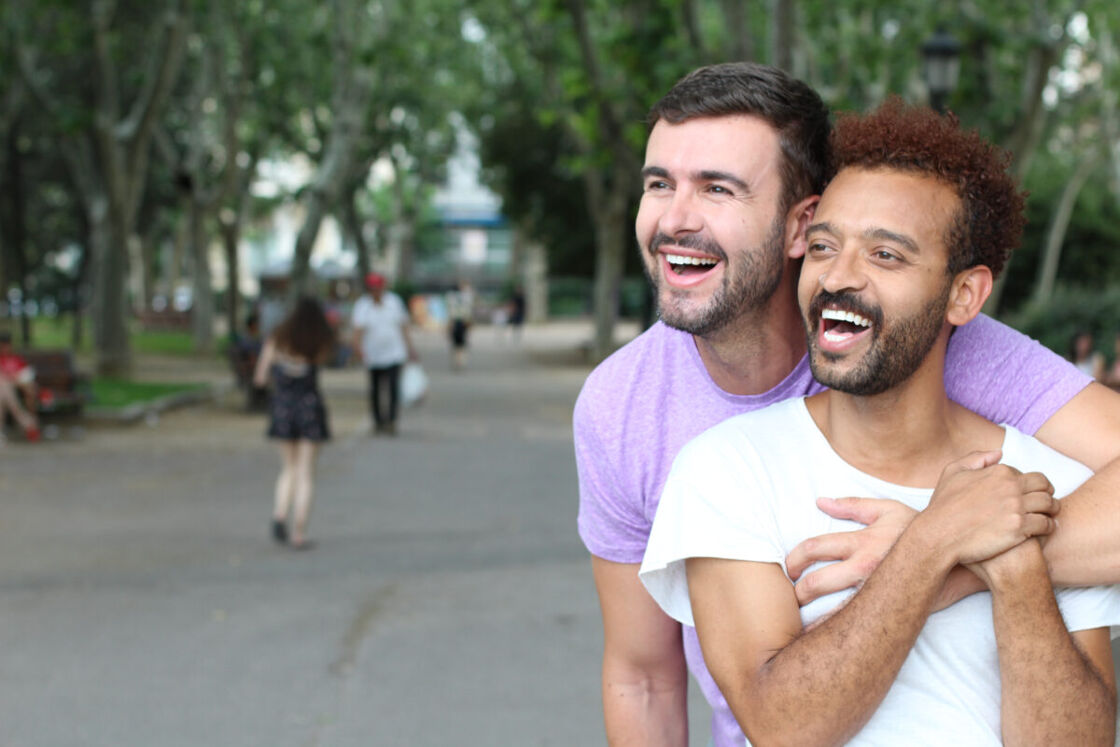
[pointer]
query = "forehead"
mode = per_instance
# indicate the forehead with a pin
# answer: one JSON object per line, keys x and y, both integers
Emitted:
{"x": 917, "y": 205}
{"x": 740, "y": 143}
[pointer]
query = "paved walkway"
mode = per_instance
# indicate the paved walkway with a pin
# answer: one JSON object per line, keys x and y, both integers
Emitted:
{"x": 448, "y": 600}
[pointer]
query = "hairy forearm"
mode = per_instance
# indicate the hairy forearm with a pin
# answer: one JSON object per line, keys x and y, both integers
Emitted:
{"x": 827, "y": 683}
{"x": 641, "y": 709}
{"x": 1051, "y": 694}
{"x": 1086, "y": 548}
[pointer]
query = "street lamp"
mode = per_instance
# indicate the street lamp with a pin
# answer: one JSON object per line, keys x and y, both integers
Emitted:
{"x": 941, "y": 66}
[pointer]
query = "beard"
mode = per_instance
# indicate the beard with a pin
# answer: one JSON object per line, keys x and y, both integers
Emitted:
{"x": 747, "y": 285}
{"x": 896, "y": 351}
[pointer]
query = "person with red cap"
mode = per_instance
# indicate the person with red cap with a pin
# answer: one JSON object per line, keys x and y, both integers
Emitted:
{"x": 382, "y": 343}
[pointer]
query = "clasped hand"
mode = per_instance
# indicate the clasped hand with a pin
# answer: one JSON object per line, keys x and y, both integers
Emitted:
{"x": 979, "y": 509}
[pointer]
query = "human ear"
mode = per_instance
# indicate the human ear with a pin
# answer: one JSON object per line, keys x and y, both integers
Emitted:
{"x": 797, "y": 221}
{"x": 969, "y": 290}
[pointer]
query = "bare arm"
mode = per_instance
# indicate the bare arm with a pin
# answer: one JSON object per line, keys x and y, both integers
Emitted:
{"x": 820, "y": 686}
{"x": 412, "y": 354}
{"x": 645, "y": 682}
{"x": 1057, "y": 688}
{"x": 1085, "y": 549}
{"x": 264, "y": 363}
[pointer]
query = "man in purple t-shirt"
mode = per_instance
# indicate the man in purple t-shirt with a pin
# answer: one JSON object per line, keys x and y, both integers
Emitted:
{"x": 734, "y": 163}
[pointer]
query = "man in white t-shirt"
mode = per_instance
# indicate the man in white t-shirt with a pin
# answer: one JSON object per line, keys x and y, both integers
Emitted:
{"x": 381, "y": 340}
{"x": 902, "y": 249}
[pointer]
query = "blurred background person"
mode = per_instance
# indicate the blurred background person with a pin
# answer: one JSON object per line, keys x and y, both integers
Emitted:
{"x": 297, "y": 413}
{"x": 18, "y": 396}
{"x": 516, "y": 312}
{"x": 460, "y": 312}
{"x": 1087, "y": 360}
{"x": 1112, "y": 378}
{"x": 381, "y": 340}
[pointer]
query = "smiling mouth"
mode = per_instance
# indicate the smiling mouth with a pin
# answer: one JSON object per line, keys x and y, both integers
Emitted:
{"x": 839, "y": 326}
{"x": 685, "y": 265}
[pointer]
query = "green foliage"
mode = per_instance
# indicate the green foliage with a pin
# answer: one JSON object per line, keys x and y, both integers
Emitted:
{"x": 1073, "y": 310}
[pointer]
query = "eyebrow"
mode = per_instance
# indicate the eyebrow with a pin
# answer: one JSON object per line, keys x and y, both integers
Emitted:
{"x": 707, "y": 175}
{"x": 878, "y": 234}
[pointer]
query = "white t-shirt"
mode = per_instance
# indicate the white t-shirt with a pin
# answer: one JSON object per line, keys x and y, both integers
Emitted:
{"x": 746, "y": 489}
{"x": 382, "y": 340}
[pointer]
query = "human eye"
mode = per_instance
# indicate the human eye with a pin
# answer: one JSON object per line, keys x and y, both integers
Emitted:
{"x": 818, "y": 248}
{"x": 719, "y": 189}
{"x": 655, "y": 185}
{"x": 886, "y": 256}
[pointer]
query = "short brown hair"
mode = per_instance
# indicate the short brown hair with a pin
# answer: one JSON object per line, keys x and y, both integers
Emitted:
{"x": 782, "y": 101}
{"x": 916, "y": 138}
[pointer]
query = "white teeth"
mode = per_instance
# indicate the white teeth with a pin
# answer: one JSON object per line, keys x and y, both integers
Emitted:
{"x": 845, "y": 316}
{"x": 679, "y": 259}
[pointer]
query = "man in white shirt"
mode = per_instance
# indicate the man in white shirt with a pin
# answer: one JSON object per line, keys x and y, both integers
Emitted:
{"x": 902, "y": 249}
{"x": 381, "y": 340}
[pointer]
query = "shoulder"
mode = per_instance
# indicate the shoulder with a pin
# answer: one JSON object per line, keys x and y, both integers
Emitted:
{"x": 1029, "y": 454}
{"x": 638, "y": 369}
{"x": 778, "y": 429}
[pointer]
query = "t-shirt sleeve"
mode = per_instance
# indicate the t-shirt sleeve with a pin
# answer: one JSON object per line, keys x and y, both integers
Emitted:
{"x": 1089, "y": 607}
{"x": 612, "y": 521}
{"x": 358, "y": 314}
{"x": 1006, "y": 376}
{"x": 715, "y": 505}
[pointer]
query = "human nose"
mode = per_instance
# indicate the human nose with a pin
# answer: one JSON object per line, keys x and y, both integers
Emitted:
{"x": 680, "y": 215}
{"x": 842, "y": 273}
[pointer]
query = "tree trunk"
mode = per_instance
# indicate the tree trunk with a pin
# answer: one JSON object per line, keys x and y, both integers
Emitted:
{"x": 1059, "y": 223}
{"x": 611, "y": 231}
{"x": 15, "y": 231}
{"x": 231, "y": 237}
{"x": 315, "y": 207}
{"x": 536, "y": 282}
{"x": 202, "y": 303}
{"x": 735, "y": 14}
{"x": 781, "y": 34}
{"x": 353, "y": 225}
{"x": 110, "y": 309}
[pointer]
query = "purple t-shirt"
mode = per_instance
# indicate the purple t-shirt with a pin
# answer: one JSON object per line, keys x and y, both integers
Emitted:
{"x": 642, "y": 404}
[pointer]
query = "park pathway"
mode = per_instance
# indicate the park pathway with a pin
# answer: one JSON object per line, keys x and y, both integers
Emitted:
{"x": 448, "y": 599}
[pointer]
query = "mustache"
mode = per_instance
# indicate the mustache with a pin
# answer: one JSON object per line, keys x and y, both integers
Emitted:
{"x": 688, "y": 241}
{"x": 844, "y": 302}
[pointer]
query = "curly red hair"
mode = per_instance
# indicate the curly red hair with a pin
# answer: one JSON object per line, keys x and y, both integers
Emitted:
{"x": 911, "y": 138}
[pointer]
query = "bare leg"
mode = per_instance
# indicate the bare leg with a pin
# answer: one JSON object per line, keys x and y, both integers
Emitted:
{"x": 9, "y": 402}
{"x": 285, "y": 482}
{"x": 303, "y": 489}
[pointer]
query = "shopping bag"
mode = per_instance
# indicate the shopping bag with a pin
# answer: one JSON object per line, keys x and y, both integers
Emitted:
{"x": 413, "y": 384}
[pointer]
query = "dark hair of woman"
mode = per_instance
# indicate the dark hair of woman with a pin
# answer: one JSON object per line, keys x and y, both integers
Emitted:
{"x": 306, "y": 332}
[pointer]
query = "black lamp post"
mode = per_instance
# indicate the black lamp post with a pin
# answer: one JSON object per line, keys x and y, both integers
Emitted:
{"x": 941, "y": 66}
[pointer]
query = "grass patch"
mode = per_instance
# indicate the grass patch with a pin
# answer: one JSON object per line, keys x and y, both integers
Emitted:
{"x": 56, "y": 333}
{"x": 109, "y": 392}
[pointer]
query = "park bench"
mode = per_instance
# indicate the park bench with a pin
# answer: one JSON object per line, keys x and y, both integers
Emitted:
{"x": 63, "y": 390}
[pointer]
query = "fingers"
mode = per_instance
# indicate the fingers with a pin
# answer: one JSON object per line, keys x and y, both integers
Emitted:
{"x": 863, "y": 510}
{"x": 815, "y": 549}
{"x": 975, "y": 460}
{"x": 1037, "y": 525}
{"x": 1035, "y": 482}
{"x": 1041, "y": 503}
{"x": 835, "y": 577}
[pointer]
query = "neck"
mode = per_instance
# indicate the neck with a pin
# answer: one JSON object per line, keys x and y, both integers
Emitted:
{"x": 905, "y": 435}
{"x": 755, "y": 352}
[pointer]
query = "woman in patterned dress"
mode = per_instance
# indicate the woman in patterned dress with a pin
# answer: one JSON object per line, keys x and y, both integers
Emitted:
{"x": 297, "y": 413}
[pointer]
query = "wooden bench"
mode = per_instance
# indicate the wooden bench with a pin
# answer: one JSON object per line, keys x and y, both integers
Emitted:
{"x": 63, "y": 390}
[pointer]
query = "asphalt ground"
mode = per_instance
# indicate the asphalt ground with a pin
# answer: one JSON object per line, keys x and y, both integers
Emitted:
{"x": 448, "y": 599}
